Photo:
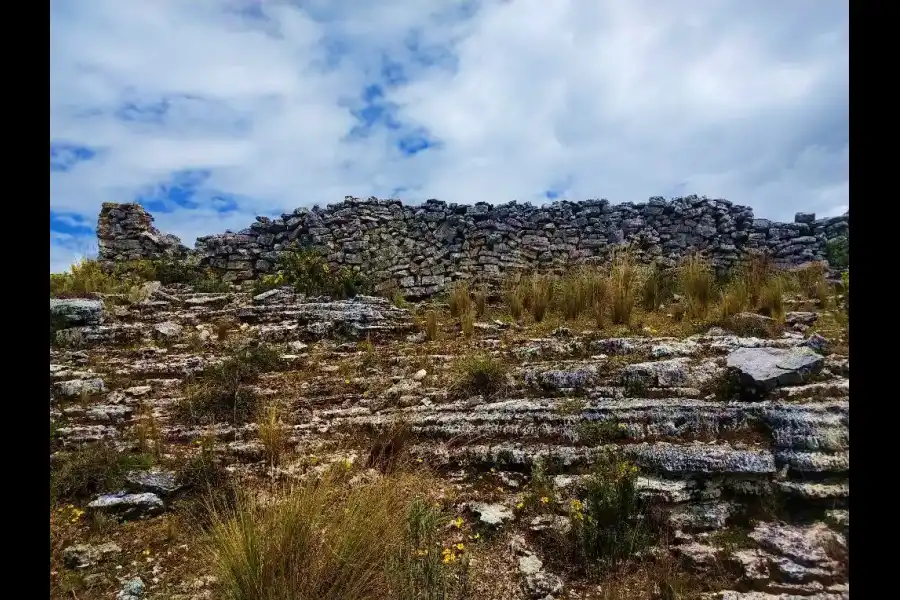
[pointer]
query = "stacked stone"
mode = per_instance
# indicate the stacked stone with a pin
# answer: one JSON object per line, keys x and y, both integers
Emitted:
{"x": 125, "y": 232}
{"x": 421, "y": 249}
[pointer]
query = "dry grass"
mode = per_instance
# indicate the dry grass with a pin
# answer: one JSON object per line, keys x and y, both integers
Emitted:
{"x": 273, "y": 434}
{"x": 460, "y": 299}
{"x": 480, "y": 302}
{"x": 92, "y": 469}
{"x": 148, "y": 432}
{"x": 623, "y": 283}
{"x": 329, "y": 540}
{"x": 467, "y": 323}
{"x": 656, "y": 288}
{"x": 697, "y": 282}
{"x": 83, "y": 279}
{"x": 513, "y": 301}
{"x": 540, "y": 296}
{"x": 771, "y": 297}
{"x": 431, "y": 325}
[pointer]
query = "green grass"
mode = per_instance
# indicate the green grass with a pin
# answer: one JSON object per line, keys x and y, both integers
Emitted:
{"x": 91, "y": 470}
{"x": 479, "y": 374}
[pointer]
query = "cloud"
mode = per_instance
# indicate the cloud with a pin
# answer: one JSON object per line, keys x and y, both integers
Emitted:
{"x": 212, "y": 112}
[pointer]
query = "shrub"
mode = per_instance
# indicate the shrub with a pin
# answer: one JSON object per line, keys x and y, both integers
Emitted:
{"x": 622, "y": 287}
{"x": 84, "y": 278}
{"x": 307, "y": 271}
{"x": 221, "y": 392}
{"x": 479, "y": 374}
{"x": 697, "y": 281}
{"x": 326, "y": 540}
{"x": 837, "y": 251}
{"x": 460, "y": 299}
{"x": 91, "y": 470}
{"x": 609, "y": 525}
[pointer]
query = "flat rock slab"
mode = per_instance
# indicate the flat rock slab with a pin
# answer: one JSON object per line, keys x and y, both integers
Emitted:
{"x": 700, "y": 458}
{"x": 128, "y": 506}
{"x": 155, "y": 481}
{"x": 760, "y": 370}
{"x": 82, "y": 556}
{"x": 75, "y": 312}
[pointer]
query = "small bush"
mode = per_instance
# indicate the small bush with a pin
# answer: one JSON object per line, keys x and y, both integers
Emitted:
{"x": 837, "y": 251}
{"x": 479, "y": 374}
{"x": 327, "y": 540}
{"x": 431, "y": 325}
{"x": 222, "y": 393}
{"x": 460, "y": 299}
{"x": 609, "y": 524}
{"x": 307, "y": 271}
{"x": 697, "y": 281}
{"x": 92, "y": 470}
{"x": 622, "y": 287}
{"x": 84, "y": 278}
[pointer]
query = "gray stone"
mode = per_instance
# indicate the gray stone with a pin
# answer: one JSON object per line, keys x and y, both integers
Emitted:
{"x": 128, "y": 506}
{"x": 492, "y": 515}
{"x": 78, "y": 388}
{"x": 167, "y": 329}
{"x": 133, "y": 589}
{"x": 156, "y": 481}
{"x": 761, "y": 370}
{"x": 82, "y": 556}
{"x": 75, "y": 312}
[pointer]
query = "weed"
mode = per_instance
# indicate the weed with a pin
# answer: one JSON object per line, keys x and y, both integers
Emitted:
{"x": 811, "y": 280}
{"x": 92, "y": 469}
{"x": 570, "y": 406}
{"x": 479, "y": 374}
{"x": 387, "y": 449}
{"x": 148, "y": 433}
{"x": 697, "y": 281}
{"x": 398, "y": 300}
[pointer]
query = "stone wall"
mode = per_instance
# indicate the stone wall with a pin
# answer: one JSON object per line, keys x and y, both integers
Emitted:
{"x": 125, "y": 232}
{"x": 422, "y": 248}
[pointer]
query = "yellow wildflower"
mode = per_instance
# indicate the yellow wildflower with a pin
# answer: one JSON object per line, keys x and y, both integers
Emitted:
{"x": 347, "y": 381}
{"x": 520, "y": 505}
{"x": 476, "y": 536}
{"x": 147, "y": 552}
{"x": 422, "y": 552}
{"x": 458, "y": 522}
{"x": 493, "y": 470}
{"x": 577, "y": 506}
{"x": 460, "y": 546}
{"x": 449, "y": 558}
{"x": 544, "y": 499}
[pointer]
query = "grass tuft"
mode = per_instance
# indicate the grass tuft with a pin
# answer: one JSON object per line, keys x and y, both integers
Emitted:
{"x": 479, "y": 374}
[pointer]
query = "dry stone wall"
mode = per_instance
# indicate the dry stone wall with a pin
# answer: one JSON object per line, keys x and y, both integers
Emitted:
{"x": 422, "y": 248}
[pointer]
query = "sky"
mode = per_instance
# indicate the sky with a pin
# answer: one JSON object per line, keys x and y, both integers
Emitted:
{"x": 210, "y": 112}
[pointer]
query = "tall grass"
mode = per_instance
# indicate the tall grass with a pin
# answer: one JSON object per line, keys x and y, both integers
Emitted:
{"x": 623, "y": 282}
{"x": 273, "y": 434}
{"x": 431, "y": 325}
{"x": 328, "y": 540}
{"x": 697, "y": 281}
{"x": 84, "y": 278}
{"x": 656, "y": 288}
{"x": 460, "y": 299}
{"x": 540, "y": 296}
{"x": 478, "y": 374}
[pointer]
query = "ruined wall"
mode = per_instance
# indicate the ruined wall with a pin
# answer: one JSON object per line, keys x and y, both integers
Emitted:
{"x": 125, "y": 232}
{"x": 422, "y": 248}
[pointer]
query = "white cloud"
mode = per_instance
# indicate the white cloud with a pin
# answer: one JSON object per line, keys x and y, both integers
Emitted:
{"x": 622, "y": 100}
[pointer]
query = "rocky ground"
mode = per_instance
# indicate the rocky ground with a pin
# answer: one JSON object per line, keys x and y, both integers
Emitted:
{"x": 742, "y": 443}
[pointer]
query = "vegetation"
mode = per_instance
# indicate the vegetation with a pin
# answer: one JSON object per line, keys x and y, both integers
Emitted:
{"x": 609, "y": 524}
{"x": 223, "y": 393}
{"x": 307, "y": 271}
{"x": 87, "y": 277}
{"x": 479, "y": 374}
{"x": 329, "y": 540}
{"x": 837, "y": 251}
{"x": 273, "y": 434}
{"x": 91, "y": 470}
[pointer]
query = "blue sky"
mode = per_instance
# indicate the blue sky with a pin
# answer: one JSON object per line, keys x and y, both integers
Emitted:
{"x": 211, "y": 112}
